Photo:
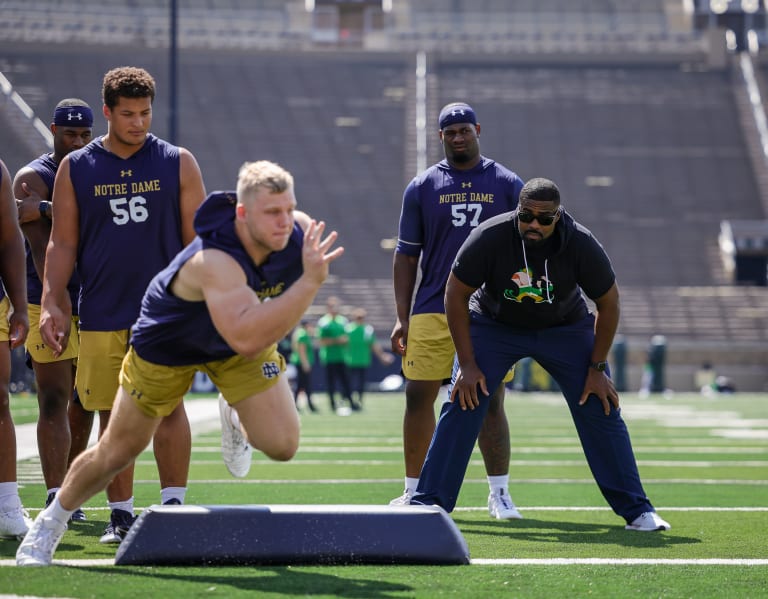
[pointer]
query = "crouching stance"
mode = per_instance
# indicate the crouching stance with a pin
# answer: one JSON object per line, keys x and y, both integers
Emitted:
{"x": 203, "y": 313}
{"x": 517, "y": 289}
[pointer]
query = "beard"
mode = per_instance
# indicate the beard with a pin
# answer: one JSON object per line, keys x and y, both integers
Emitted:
{"x": 462, "y": 157}
{"x": 533, "y": 242}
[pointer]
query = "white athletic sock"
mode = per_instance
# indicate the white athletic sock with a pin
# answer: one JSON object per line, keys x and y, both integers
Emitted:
{"x": 173, "y": 493}
{"x": 500, "y": 483}
{"x": 126, "y": 506}
{"x": 9, "y": 496}
{"x": 411, "y": 484}
{"x": 53, "y": 490}
{"x": 57, "y": 512}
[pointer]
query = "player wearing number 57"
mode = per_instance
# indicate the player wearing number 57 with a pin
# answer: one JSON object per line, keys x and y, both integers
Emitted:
{"x": 441, "y": 207}
{"x": 123, "y": 207}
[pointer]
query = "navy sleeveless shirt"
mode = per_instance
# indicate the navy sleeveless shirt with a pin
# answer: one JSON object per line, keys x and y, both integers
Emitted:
{"x": 175, "y": 332}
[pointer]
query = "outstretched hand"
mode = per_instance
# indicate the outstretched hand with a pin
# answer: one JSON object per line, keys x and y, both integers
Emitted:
{"x": 316, "y": 253}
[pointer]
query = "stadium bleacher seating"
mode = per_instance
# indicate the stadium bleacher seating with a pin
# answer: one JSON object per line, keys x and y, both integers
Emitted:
{"x": 332, "y": 120}
{"x": 605, "y": 97}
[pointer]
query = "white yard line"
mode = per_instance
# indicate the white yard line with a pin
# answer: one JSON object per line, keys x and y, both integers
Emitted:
{"x": 563, "y": 561}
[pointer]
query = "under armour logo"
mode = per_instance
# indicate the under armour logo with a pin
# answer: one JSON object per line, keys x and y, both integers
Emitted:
{"x": 466, "y": 184}
{"x": 136, "y": 394}
{"x": 270, "y": 370}
{"x": 74, "y": 115}
{"x": 410, "y": 363}
{"x": 455, "y": 111}
{"x": 127, "y": 173}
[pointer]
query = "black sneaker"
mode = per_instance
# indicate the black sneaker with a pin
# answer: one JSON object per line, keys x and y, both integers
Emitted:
{"x": 77, "y": 516}
{"x": 119, "y": 523}
{"x": 172, "y": 501}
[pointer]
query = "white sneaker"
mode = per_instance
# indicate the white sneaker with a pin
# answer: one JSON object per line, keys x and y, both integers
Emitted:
{"x": 41, "y": 541}
{"x": 235, "y": 449}
{"x": 501, "y": 507}
{"x": 404, "y": 499}
{"x": 648, "y": 522}
{"x": 14, "y": 523}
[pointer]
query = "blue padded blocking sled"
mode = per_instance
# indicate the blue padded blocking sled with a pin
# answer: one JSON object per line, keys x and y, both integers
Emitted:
{"x": 292, "y": 534}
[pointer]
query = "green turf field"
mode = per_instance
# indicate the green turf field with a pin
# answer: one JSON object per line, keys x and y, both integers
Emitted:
{"x": 704, "y": 463}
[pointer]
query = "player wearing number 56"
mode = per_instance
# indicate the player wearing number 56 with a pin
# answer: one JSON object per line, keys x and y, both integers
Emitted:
{"x": 123, "y": 207}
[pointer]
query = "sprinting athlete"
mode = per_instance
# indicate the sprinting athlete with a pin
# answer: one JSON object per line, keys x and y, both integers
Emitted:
{"x": 203, "y": 313}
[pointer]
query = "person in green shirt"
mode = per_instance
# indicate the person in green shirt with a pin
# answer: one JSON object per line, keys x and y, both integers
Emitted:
{"x": 361, "y": 347}
{"x": 332, "y": 340}
{"x": 303, "y": 357}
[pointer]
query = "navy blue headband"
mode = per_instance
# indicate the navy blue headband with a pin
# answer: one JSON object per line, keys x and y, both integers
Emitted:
{"x": 456, "y": 113}
{"x": 73, "y": 116}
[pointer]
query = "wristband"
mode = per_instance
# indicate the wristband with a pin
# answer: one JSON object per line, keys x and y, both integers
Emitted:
{"x": 44, "y": 207}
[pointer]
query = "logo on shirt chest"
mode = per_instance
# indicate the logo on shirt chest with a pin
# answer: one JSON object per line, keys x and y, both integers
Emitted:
{"x": 525, "y": 286}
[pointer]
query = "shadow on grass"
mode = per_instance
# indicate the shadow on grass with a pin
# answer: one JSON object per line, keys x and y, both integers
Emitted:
{"x": 550, "y": 531}
{"x": 286, "y": 580}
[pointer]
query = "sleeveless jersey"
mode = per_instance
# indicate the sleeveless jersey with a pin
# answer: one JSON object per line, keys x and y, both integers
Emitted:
{"x": 175, "y": 332}
{"x": 440, "y": 208}
{"x": 45, "y": 167}
{"x": 130, "y": 227}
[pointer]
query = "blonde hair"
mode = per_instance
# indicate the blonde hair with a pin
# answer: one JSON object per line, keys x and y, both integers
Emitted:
{"x": 262, "y": 173}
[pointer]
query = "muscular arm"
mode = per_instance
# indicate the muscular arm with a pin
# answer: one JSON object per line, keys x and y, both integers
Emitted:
{"x": 457, "y": 296}
{"x": 12, "y": 268}
{"x": 192, "y": 193}
{"x": 404, "y": 272}
{"x": 60, "y": 260}
{"x": 606, "y": 323}
{"x": 246, "y": 324}
{"x": 30, "y": 189}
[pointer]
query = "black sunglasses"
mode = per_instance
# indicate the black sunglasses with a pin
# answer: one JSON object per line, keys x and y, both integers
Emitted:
{"x": 544, "y": 219}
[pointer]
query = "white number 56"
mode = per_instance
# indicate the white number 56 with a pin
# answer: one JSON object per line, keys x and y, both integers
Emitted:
{"x": 125, "y": 210}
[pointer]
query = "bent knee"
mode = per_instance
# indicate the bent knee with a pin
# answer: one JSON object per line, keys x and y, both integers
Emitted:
{"x": 283, "y": 451}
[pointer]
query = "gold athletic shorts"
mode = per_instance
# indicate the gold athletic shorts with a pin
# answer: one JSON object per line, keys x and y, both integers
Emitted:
{"x": 5, "y": 327}
{"x": 98, "y": 367}
{"x": 158, "y": 389}
{"x": 40, "y": 352}
{"x": 429, "y": 350}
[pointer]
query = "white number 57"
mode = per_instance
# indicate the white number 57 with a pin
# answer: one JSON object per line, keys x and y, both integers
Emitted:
{"x": 458, "y": 211}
